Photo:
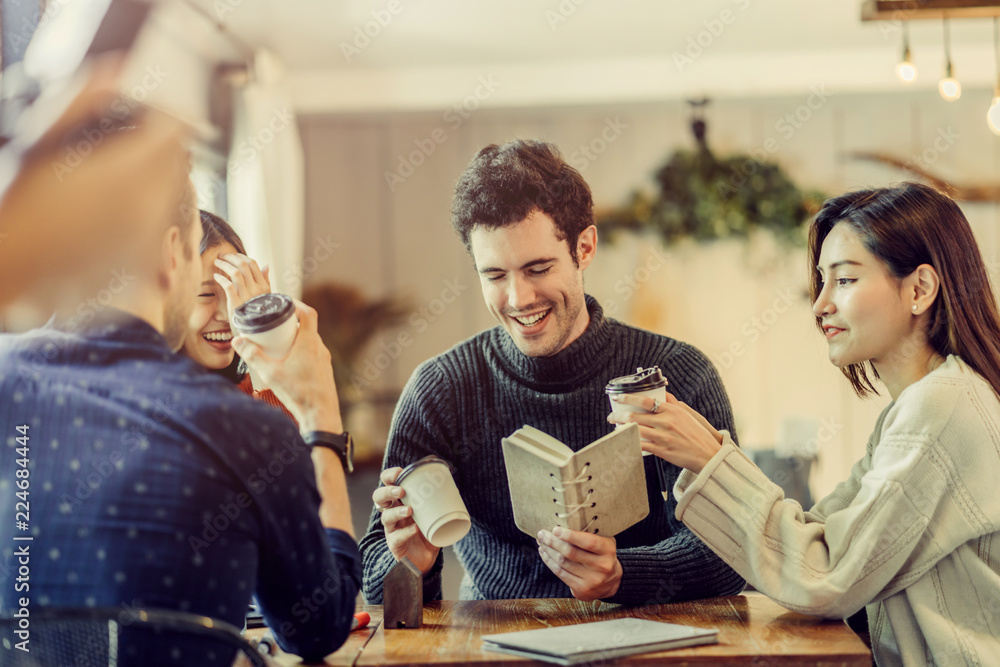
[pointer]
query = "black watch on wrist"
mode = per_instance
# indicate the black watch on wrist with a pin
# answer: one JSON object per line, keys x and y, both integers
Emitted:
{"x": 342, "y": 443}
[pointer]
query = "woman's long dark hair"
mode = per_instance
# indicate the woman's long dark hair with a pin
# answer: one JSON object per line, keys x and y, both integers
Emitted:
{"x": 906, "y": 226}
{"x": 214, "y": 232}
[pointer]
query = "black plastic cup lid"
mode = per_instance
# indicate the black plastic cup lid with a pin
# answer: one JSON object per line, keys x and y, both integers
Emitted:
{"x": 421, "y": 462}
{"x": 642, "y": 380}
{"x": 263, "y": 313}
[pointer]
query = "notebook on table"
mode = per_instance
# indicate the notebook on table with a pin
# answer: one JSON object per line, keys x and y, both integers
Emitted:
{"x": 598, "y": 641}
{"x": 600, "y": 489}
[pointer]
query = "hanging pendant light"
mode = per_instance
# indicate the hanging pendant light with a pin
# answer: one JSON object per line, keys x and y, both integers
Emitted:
{"x": 949, "y": 87}
{"x": 905, "y": 69}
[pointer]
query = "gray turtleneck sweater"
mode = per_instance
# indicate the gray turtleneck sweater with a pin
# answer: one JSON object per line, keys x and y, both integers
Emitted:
{"x": 459, "y": 406}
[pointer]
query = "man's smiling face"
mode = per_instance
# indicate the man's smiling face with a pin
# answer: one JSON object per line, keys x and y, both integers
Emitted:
{"x": 531, "y": 283}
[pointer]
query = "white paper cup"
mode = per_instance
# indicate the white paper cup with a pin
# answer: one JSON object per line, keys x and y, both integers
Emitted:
{"x": 660, "y": 394}
{"x": 645, "y": 382}
{"x": 269, "y": 321}
{"x": 438, "y": 508}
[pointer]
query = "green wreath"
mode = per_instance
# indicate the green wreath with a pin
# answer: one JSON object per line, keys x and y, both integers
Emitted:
{"x": 705, "y": 198}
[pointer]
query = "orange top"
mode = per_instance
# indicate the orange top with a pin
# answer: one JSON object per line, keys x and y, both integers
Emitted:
{"x": 267, "y": 396}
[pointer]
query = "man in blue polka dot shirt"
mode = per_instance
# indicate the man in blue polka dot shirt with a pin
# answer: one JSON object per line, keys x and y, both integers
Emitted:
{"x": 156, "y": 484}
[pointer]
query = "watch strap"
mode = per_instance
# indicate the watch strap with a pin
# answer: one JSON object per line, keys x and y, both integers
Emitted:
{"x": 341, "y": 443}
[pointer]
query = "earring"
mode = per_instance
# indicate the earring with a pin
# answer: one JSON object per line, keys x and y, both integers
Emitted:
{"x": 914, "y": 307}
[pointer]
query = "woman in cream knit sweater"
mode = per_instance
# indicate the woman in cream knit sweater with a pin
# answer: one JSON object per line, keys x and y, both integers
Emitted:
{"x": 900, "y": 291}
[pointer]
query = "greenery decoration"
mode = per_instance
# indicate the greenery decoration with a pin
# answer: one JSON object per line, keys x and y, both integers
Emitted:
{"x": 704, "y": 197}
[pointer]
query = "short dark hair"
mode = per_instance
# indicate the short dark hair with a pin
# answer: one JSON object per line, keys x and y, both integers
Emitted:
{"x": 906, "y": 226}
{"x": 215, "y": 231}
{"x": 504, "y": 184}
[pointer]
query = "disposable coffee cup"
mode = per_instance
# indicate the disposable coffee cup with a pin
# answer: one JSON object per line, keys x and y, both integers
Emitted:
{"x": 268, "y": 320}
{"x": 644, "y": 382}
{"x": 438, "y": 508}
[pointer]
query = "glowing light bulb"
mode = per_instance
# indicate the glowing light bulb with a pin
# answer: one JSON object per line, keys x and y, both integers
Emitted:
{"x": 950, "y": 88}
{"x": 993, "y": 116}
{"x": 906, "y": 71}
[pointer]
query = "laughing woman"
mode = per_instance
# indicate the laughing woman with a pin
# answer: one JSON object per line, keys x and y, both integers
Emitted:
{"x": 229, "y": 279}
{"x": 901, "y": 293}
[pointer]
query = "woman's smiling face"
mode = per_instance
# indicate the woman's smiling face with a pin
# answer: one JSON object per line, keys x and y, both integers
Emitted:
{"x": 209, "y": 337}
{"x": 864, "y": 315}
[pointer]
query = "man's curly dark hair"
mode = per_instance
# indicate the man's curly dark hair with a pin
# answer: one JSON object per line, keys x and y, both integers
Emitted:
{"x": 504, "y": 184}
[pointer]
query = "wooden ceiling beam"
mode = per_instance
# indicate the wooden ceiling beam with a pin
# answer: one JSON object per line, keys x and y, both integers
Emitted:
{"x": 906, "y": 10}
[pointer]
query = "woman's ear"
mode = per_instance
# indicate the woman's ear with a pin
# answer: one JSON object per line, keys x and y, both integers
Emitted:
{"x": 926, "y": 285}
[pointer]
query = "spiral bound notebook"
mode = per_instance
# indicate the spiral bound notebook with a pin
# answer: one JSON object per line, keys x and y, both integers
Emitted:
{"x": 598, "y": 641}
{"x": 600, "y": 489}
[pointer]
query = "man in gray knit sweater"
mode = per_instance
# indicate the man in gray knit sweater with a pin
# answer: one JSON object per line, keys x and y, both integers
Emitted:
{"x": 526, "y": 217}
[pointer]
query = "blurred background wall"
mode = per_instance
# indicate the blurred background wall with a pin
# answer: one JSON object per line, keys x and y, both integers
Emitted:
{"x": 743, "y": 303}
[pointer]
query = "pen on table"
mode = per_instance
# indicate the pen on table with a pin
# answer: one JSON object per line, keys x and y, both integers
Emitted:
{"x": 361, "y": 619}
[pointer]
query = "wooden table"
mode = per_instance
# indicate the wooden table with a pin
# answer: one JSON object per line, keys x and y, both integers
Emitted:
{"x": 753, "y": 630}
{"x": 348, "y": 654}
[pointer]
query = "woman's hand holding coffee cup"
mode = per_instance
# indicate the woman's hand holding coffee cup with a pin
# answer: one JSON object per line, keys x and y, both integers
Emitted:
{"x": 303, "y": 379}
{"x": 675, "y": 432}
{"x": 647, "y": 382}
{"x": 401, "y": 532}
{"x": 243, "y": 280}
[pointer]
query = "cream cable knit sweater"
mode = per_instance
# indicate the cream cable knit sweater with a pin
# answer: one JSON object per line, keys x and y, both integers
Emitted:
{"x": 913, "y": 534}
